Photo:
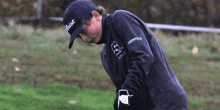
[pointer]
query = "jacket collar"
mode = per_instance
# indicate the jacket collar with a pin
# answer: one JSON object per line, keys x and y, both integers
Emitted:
{"x": 104, "y": 26}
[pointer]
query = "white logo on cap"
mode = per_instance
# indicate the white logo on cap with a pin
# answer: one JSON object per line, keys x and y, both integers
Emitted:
{"x": 70, "y": 25}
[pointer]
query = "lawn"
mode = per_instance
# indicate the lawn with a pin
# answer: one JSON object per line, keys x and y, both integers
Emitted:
{"x": 54, "y": 97}
{"x": 49, "y": 74}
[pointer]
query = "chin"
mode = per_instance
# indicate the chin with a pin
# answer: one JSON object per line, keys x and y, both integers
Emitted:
{"x": 96, "y": 42}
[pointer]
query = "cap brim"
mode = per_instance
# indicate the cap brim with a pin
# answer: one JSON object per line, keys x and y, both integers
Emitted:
{"x": 74, "y": 35}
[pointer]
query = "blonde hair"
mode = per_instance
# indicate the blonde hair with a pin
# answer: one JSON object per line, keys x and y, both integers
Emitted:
{"x": 100, "y": 10}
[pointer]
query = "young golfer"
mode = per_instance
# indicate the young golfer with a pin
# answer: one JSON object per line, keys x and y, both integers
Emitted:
{"x": 132, "y": 57}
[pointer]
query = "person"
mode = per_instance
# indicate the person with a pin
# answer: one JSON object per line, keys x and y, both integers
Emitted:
{"x": 131, "y": 56}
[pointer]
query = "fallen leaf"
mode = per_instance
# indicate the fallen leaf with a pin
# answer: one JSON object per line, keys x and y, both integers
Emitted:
{"x": 17, "y": 69}
{"x": 72, "y": 101}
{"x": 195, "y": 50}
{"x": 75, "y": 52}
{"x": 15, "y": 60}
{"x": 17, "y": 90}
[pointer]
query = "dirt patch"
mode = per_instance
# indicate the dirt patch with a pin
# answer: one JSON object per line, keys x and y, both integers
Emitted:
{"x": 99, "y": 84}
{"x": 199, "y": 88}
{"x": 13, "y": 44}
{"x": 213, "y": 104}
{"x": 213, "y": 59}
{"x": 194, "y": 90}
{"x": 68, "y": 79}
{"x": 27, "y": 57}
{"x": 42, "y": 78}
{"x": 213, "y": 49}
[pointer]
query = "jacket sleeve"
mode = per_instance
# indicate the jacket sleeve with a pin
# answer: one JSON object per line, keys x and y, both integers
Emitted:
{"x": 130, "y": 30}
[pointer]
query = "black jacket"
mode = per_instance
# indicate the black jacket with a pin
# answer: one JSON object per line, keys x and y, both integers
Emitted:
{"x": 134, "y": 60}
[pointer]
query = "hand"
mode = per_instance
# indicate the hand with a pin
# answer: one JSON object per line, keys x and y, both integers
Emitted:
{"x": 124, "y": 99}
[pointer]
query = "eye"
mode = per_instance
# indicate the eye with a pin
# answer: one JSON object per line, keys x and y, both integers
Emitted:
{"x": 83, "y": 31}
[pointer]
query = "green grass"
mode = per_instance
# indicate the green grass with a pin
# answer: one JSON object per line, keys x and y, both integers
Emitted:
{"x": 53, "y": 97}
{"x": 44, "y": 60}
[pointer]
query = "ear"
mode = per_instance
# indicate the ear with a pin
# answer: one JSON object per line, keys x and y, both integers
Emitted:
{"x": 96, "y": 14}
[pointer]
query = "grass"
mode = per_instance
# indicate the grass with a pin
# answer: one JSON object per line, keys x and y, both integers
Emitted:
{"x": 52, "y": 98}
{"x": 45, "y": 60}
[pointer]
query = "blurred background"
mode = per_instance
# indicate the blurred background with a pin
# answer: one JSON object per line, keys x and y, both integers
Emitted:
{"x": 182, "y": 12}
{"x": 39, "y": 72}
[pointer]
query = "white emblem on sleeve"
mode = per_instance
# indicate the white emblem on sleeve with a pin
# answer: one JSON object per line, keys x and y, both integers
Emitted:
{"x": 132, "y": 40}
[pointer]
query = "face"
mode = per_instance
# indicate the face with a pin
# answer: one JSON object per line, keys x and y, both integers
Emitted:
{"x": 92, "y": 30}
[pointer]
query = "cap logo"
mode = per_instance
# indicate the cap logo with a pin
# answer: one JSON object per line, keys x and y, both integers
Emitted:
{"x": 69, "y": 25}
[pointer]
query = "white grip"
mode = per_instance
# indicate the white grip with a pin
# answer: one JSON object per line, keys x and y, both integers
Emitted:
{"x": 123, "y": 99}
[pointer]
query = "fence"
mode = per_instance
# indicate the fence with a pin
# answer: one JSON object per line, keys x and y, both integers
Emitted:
{"x": 164, "y": 26}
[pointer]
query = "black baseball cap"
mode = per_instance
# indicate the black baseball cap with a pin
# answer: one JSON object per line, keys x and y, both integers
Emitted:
{"x": 74, "y": 16}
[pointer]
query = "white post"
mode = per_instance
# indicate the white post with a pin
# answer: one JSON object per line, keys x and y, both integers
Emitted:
{"x": 42, "y": 12}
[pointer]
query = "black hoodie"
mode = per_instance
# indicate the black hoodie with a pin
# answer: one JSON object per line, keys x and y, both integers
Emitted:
{"x": 134, "y": 60}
